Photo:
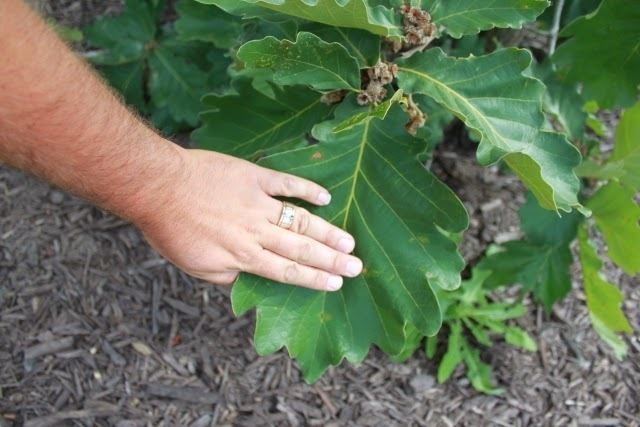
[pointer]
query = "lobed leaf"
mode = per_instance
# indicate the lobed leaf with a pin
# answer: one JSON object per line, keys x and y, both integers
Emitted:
{"x": 495, "y": 99}
{"x": 603, "y": 299}
{"x": 308, "y": 60}
{"x": 401, "y": 217}
{"x": 462, "y": 17}
{"x": 602, "y": 52}
{"x": 359, "y": 14}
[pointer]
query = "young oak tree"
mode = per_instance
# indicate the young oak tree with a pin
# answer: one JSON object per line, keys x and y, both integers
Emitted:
{"x": 355, "y": 94}
{"x": 379, "y": 56}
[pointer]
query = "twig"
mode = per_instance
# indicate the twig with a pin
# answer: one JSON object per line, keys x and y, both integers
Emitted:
{"x": 555, "y": 28}
{"x": 419, "y": 48}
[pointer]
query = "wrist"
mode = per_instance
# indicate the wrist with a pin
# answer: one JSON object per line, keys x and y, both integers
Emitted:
{"x": 150, "y": 182}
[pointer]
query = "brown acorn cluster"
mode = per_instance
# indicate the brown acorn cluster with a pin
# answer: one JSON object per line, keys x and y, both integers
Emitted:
{"x": 417, "y": 118}
{"x": 335, "y": 97}
{"x": 374, "y": 82}
{"x": 418, "y": 27}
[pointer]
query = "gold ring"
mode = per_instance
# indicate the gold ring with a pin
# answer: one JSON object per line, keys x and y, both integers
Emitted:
{"x": 287, "y": 215}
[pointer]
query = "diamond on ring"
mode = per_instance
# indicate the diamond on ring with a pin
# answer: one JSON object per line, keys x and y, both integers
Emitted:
{"x": 287, "y": 215}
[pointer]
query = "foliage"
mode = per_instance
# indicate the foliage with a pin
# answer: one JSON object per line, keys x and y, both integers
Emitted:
{"x": 355, "y": 94}
{"x": 470, "y": 309}
{"x": 156, "y": 70}
{"x": 603, "y": 47}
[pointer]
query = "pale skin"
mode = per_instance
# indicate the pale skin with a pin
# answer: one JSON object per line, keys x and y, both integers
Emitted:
{"x": 211, "y": 215}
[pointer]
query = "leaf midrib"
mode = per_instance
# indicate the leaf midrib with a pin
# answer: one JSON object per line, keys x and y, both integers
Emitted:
{"x": 358, "y": 165}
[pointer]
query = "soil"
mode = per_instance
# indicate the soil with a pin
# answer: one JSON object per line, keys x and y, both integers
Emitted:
{"x": 97, "y": 329}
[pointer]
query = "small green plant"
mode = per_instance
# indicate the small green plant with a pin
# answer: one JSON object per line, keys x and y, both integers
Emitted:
{"x": 355, "y": 94}
{"x": 471, "y": 309}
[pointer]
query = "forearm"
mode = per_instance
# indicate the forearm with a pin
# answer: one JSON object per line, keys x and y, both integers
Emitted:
{"x": 60, "y": 122}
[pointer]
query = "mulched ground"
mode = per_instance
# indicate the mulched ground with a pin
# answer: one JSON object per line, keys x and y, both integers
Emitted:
{"x": 97, "y": 329}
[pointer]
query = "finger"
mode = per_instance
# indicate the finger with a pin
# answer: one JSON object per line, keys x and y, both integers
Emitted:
{"x": 222, "y": 279}
{"x": 314, "y": 227}
{"x": 280, "y": 269}
{"x": 307, "y": 251}
{"x": 282, "y": 184}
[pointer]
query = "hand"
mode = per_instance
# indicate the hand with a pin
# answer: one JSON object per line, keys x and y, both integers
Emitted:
{"x": 220, "y": 218}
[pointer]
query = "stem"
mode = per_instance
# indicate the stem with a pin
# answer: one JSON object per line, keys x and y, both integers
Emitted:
{"x": 555, "y": 28}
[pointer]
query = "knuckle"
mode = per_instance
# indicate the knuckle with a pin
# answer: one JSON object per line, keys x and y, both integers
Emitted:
{"x": 254, "y": 229}
{"x": 304, "y": 253}
{"x": 288, "y": 185}
{"x": 331, "y": 235}
{"x": 291, "y": 273}
{"x": 244, "y": 256}
{"x": 304, "y": 219}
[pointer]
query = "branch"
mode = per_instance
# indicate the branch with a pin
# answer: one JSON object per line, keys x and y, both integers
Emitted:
{"x": 555, "y": 28}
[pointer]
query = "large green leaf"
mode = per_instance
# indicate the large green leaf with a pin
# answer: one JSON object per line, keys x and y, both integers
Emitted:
{"x": 617, "y": 214}
{"x": 603, "y": 298}
{"x": 493, "y": 97}
{"x": 339, "y": 13}
{"x": 250, "y": 124}
{"x": 603, "y": 53}
{"x": 461, "y": 17}
{"x": 402, "y": 218}
{"x": 206, "y": 23}
{"x": 308, "y": 60}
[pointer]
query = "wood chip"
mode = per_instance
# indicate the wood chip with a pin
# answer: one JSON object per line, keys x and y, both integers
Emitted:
{"x": 187, "y": 394}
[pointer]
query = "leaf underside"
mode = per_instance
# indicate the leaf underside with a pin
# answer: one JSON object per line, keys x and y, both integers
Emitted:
{"x": 358, "y": 14}
{"x": 397, "y": 212}
{"x": 462, "y": 17}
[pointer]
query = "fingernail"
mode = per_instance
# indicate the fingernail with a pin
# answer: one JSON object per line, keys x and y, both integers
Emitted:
{"x": 324, "y": 198}
{"x": 354, "y": 268}
{"x": 334, "y": 283}
{"x": 346, "y": 244}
